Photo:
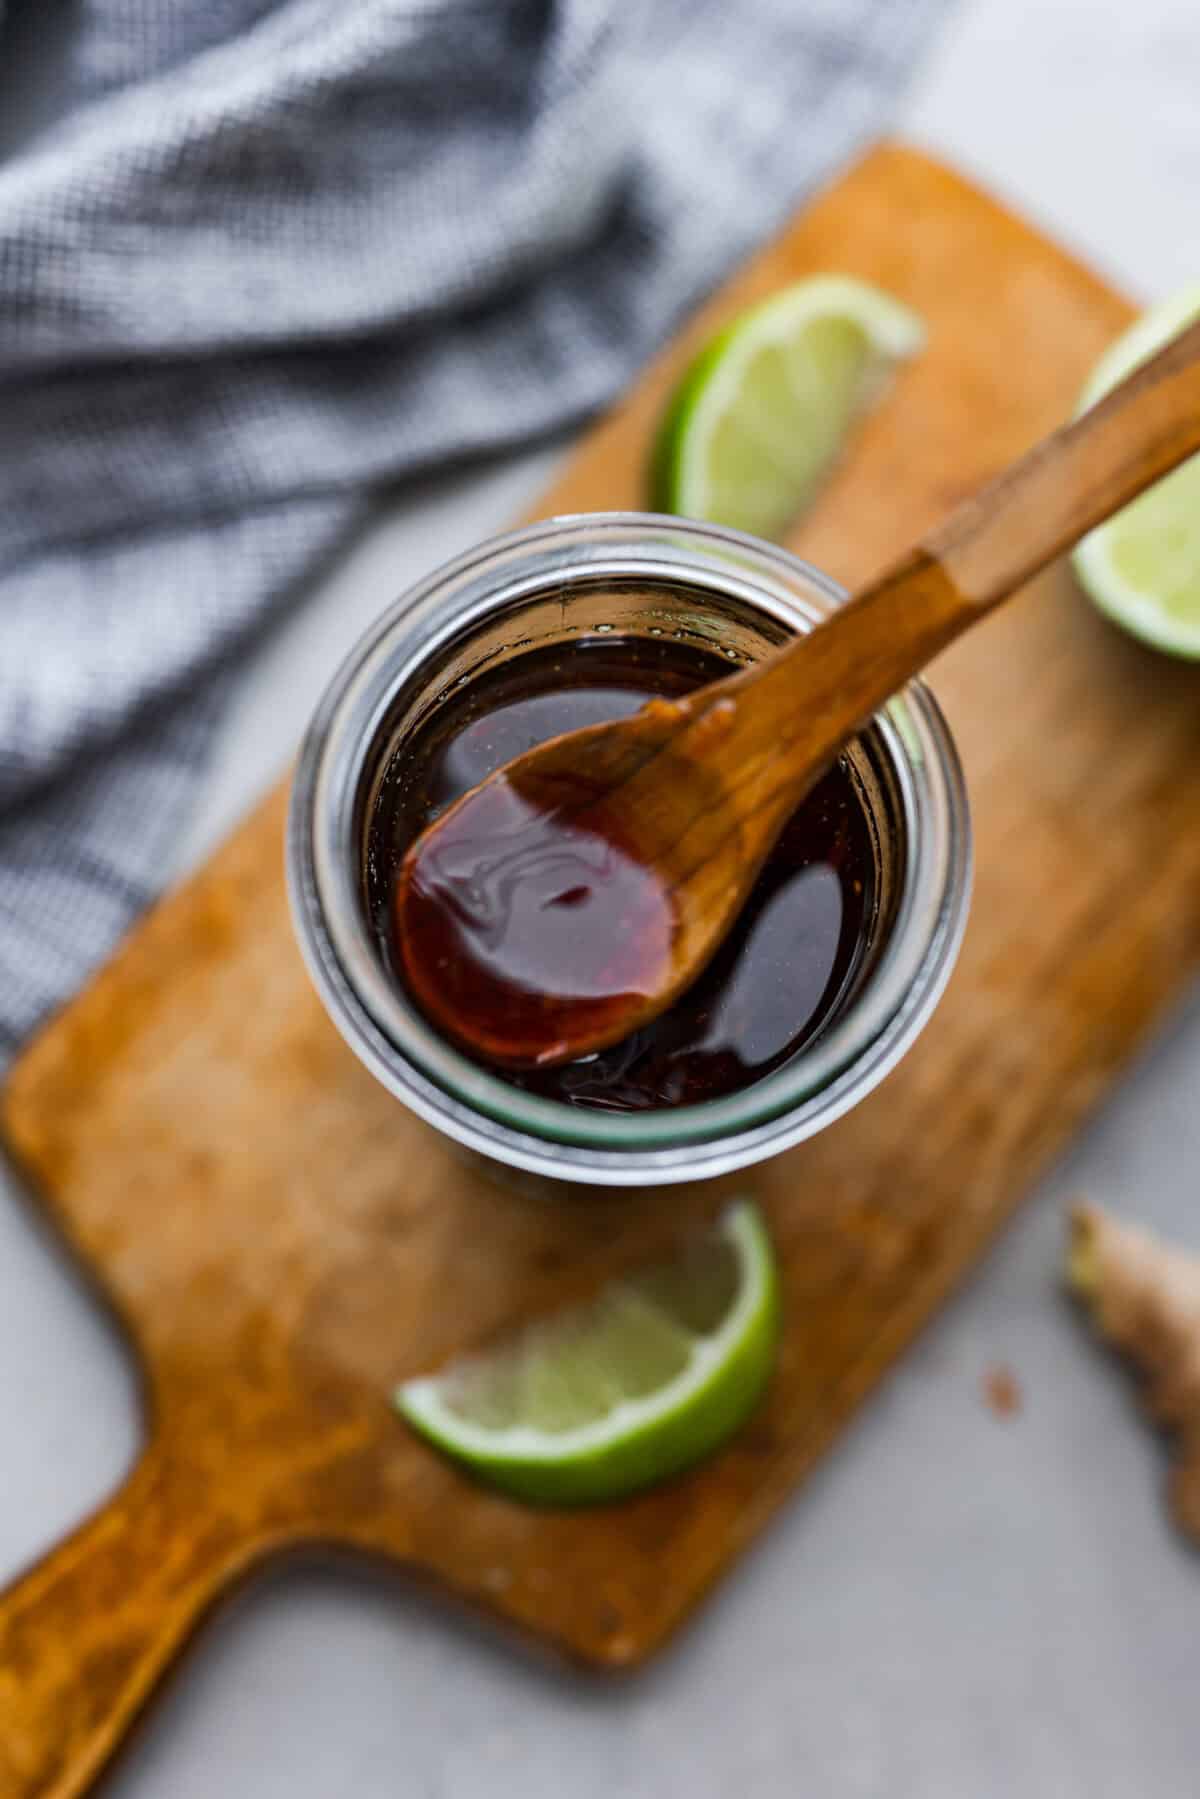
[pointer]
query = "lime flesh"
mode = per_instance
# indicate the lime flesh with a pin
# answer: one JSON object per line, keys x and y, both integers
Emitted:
{"x": 760, "y": 417}
{"x": 633, "y": 1386}
{"x": 1142, "y": 568}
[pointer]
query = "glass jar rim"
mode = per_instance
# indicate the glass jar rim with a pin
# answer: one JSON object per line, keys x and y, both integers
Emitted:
{"x": 481, "y": 1109}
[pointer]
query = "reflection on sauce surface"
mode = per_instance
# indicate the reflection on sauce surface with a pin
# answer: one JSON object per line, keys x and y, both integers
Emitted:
{"x": 506, "y": 919}
{"x": 774, "y": 983}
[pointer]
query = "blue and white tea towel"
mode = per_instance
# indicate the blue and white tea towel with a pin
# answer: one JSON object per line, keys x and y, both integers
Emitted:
{"x": 260, "y": 257}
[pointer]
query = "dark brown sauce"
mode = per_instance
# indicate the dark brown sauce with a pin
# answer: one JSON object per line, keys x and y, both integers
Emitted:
{"x": 536, "y": 929}
{"x": 499, "y": 941}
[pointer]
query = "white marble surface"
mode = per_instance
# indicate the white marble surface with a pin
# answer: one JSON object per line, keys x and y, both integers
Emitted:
{"x": 956, "y": 1605}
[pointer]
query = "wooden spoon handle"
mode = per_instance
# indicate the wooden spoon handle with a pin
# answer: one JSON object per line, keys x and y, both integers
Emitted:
{"x": 1067, "y": 485}
{"x": 987, "y": 548}
{"x": 87, "y": 1634}
{"x": 1075, "y": 479}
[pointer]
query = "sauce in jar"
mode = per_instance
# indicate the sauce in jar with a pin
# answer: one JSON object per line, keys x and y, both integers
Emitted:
{"x": 786, "y": 966}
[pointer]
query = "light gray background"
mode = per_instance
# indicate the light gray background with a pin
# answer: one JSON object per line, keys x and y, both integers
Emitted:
{"x": 958, "y": 1606}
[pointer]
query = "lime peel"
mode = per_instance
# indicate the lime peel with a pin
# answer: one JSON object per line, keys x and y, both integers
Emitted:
{"x": 1142, "y": 567}
{"x": 763, "y": 411}
{"x": 634, "y": 1440}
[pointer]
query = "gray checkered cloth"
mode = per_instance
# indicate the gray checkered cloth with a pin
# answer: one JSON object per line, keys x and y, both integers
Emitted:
{"x": 260, "y": 258}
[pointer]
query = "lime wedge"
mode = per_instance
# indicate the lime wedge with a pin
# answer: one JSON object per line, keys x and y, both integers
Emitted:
{"x": 620, "y": 1392}
{"x": 1142, "y": 568}
{"x": 763, "y": 411}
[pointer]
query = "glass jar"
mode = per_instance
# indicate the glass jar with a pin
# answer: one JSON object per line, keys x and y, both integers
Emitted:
{"x": 552, "y": 584}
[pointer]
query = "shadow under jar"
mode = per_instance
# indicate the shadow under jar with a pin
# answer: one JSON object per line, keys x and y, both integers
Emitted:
{"x": 841, "y": 954}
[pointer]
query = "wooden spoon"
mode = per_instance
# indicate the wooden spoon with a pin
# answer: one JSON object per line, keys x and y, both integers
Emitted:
{"x": 573, "y": 895}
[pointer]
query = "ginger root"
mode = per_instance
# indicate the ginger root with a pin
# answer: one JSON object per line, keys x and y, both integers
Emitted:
{"x": 1145, "y": 1300}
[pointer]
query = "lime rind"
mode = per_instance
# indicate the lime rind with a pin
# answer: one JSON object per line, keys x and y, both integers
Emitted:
{"x": 1142, "y": 568}
{"x": 1148, "y": 333}
{"x": 761, "y": 414}
{"x": 638, "y": 1440}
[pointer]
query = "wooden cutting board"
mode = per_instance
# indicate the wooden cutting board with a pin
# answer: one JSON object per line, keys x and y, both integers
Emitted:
{"x": 281, "y": 1241}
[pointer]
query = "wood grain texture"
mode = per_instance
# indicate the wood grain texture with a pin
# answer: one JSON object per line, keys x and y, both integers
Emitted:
{"x": 282, "y": 1241}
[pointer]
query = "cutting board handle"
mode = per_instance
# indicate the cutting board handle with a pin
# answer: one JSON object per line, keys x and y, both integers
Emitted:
{"x": 87, "y": 1634}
